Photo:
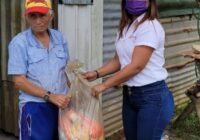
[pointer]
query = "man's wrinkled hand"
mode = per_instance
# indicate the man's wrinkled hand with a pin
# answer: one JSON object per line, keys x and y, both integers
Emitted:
{"x": 60, "y": 100}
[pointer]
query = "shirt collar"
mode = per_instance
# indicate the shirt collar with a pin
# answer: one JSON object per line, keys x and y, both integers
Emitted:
{"x": 130, "y": 29}
{"x": 139, "y": 18}
{"x": 31, "y": 38}
{"x": 54, "y": 38}
{"x": 33, "y": 41}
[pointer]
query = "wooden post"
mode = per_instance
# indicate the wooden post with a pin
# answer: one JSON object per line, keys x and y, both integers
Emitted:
{"x": 9, "y": 112}
{"x": 193, "y": 94}
{"x": 0, "y": 75}
{"x": 189, "y": 109}
{"x": 11, "y": 23}
{"x": 197, "y": 106}
{"x": 55, "y": 9}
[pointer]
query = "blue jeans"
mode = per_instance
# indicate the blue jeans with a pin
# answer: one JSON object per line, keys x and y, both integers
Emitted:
{"x": 147, "y": 110}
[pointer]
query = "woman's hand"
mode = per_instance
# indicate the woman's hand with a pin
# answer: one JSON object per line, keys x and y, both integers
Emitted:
{"x": 97, "y": 89}
{"x": 90, "y": 75}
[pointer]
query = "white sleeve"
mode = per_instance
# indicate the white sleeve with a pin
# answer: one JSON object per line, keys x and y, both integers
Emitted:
{"x": 148, "y": 34}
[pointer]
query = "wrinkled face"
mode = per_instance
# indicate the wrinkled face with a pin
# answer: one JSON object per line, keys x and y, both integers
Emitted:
{"x": 39, "y": 22}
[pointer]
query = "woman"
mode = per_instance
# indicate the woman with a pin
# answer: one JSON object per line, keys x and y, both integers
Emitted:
{"x": 138, "y": 63}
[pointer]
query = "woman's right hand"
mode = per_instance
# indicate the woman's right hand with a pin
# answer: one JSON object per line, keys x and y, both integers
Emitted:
{"x": 90, "y": 75}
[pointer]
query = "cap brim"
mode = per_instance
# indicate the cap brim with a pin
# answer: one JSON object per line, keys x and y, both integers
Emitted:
{"x": 43, "y": 10}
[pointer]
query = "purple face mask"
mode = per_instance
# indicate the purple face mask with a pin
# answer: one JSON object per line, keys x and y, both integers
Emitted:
{"x": 136, "y": 7}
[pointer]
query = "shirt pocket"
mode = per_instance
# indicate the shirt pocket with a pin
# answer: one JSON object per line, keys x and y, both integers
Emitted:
{"x": 61, "y": 58}
{"x": 36, "y": 60}
{"x": 61, "y": 54}
{"x": 36, "y": 55}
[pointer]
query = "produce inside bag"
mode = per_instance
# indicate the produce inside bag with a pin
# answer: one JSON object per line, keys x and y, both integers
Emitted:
{"x": 82, "y": 119}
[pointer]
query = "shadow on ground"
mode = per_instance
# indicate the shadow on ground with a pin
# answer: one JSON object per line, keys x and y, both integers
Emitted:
{"x": 6, "y": 136}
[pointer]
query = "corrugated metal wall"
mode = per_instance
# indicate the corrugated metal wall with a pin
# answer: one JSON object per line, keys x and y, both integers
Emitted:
{"x": 180, "y": 35}
{"x": 82, "y": 27}
{"x": 112, "y": 99}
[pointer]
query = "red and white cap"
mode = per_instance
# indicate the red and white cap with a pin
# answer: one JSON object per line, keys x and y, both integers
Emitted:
{"x": 40, "y": 6}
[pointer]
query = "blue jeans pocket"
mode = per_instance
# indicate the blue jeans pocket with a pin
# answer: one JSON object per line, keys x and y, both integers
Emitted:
{"x": 155, "y": 95}
{"x": 153, "y": 99}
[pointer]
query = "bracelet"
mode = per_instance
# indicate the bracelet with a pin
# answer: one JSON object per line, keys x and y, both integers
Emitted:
{"x": 97, "y": 73}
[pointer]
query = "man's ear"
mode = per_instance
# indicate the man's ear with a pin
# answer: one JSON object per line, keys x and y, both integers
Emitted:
{"x": 26, "y": 19}
{"x": 52, "y": 14}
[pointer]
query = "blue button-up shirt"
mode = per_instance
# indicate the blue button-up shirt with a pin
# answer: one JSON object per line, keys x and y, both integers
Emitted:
{"x": 42, "y": 66}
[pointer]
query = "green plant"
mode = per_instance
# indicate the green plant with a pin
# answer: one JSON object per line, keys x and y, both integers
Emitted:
{"x": 189, "y": 129}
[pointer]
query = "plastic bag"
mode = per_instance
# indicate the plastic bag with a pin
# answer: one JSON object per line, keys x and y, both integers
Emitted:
{"x": 82, "y": 119}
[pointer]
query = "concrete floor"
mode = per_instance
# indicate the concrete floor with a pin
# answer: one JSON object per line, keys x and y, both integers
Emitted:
{"x": 4, "y": 136}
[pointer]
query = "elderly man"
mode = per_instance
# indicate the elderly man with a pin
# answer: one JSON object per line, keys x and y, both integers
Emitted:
{"x": 37, "y": 58}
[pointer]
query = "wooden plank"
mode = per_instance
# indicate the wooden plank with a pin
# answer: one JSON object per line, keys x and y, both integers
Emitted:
{"x": 197, "y": 106}
{"x": 188, "y": 109}
{"x": 10, "y": 26}
{"x": 10, "y": 108}
{"x": 15, "y": 25}
{"x": 8, "y": 112}
{"x": 2, "y": 108}
{"x": 1, "y": 111}
{"x": 5, "y": 35}
{"x": 55, "y": 9}
{"x": 0, "y": 74}
{"x": 23, "y": 21}
{"x": 14, "y": 16}
{"x": 15, "y": 95}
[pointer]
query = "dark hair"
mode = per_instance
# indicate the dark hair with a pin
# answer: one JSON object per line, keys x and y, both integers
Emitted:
{"x": 127, "y": 19}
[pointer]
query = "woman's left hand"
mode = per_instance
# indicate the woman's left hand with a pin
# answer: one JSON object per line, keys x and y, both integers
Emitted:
{"x": 97, "y": 89}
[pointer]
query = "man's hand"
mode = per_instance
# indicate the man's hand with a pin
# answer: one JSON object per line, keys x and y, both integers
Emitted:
{"x": 60, "y": 100}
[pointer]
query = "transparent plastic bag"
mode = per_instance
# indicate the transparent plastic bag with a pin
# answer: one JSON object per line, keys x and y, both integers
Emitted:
{"x": 82, "y": 119}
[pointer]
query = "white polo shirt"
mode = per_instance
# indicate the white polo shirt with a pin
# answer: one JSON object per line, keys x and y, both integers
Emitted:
{"x": 150, "y": 33}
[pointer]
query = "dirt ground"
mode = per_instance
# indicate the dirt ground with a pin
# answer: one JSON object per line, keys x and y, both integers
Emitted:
{"x": 116, "y": 136}
{"x": 5, "y": 136}
{"x": 120, "y": 136}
